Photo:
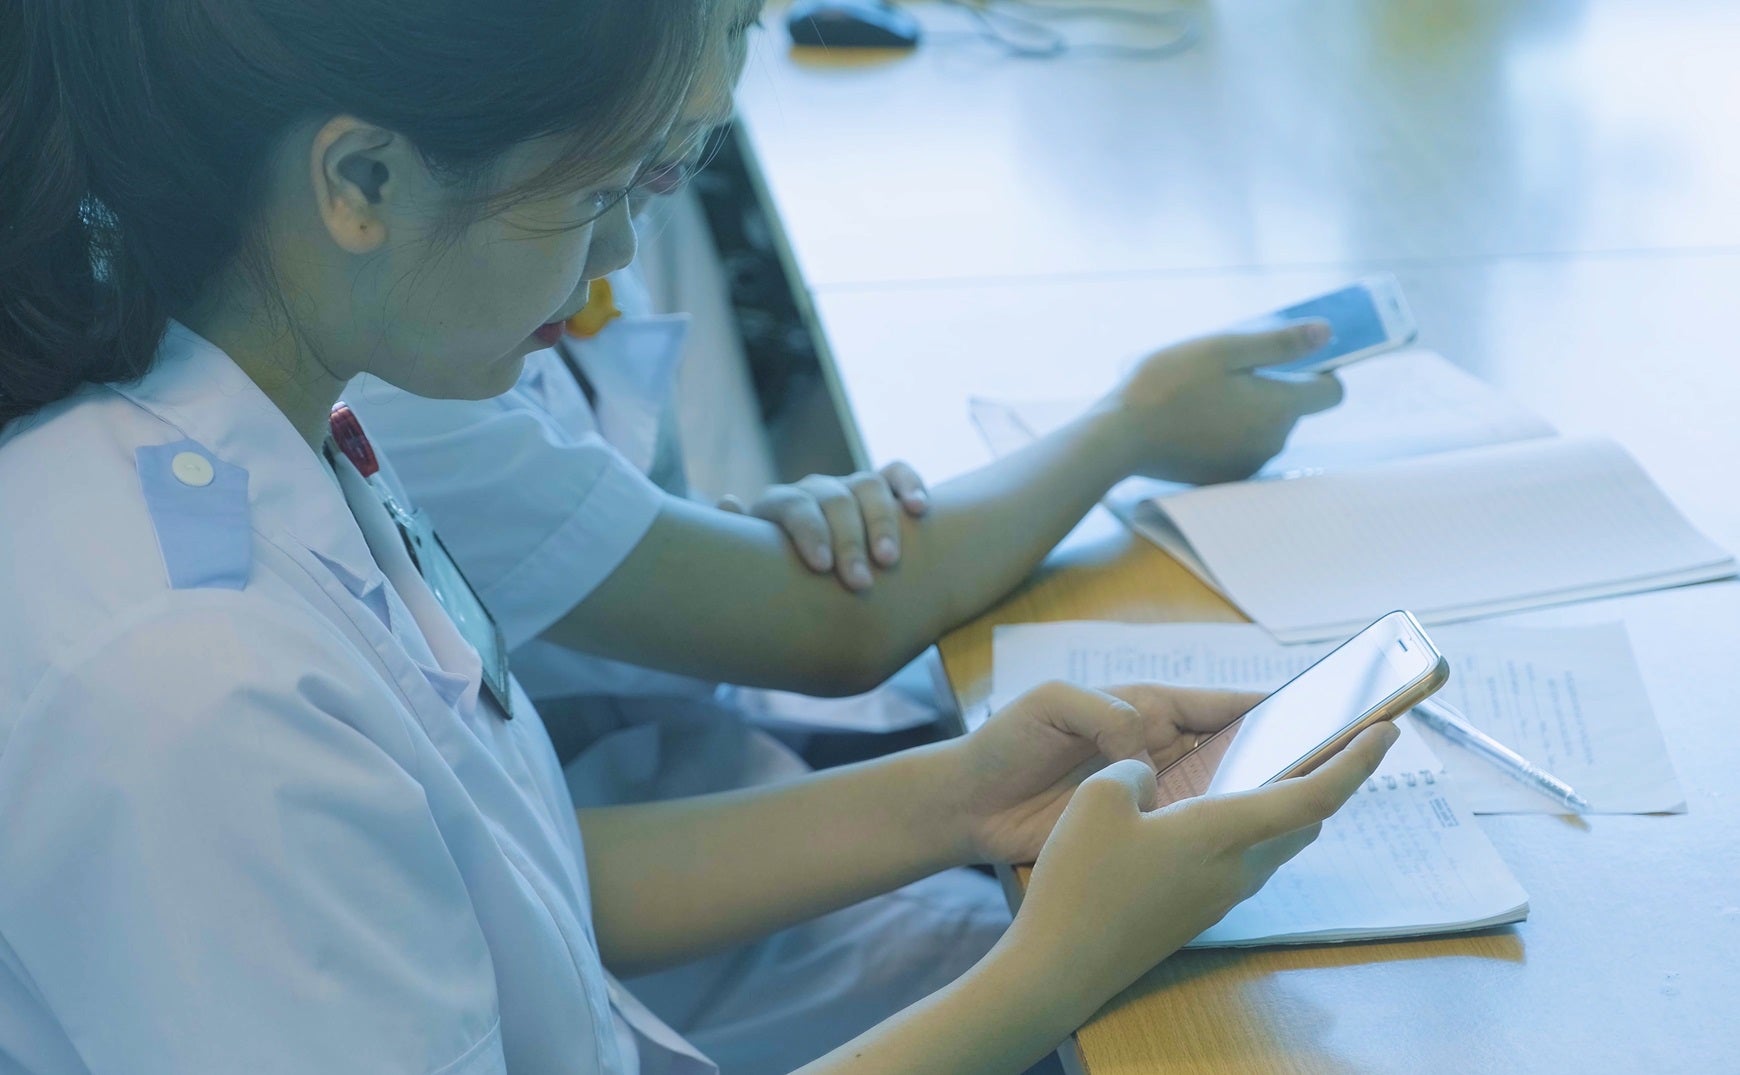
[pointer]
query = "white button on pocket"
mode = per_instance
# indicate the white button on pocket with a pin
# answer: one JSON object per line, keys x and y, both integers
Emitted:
{"x": 191, "y": 468}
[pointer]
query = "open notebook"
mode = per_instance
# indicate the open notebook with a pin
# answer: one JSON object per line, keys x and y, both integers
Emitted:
{"x": 1404, "y": 857}
{"x": 1426, "y": 490}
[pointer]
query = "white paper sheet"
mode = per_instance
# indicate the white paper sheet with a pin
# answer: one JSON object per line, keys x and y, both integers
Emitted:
{"x": 1568, "y": 698}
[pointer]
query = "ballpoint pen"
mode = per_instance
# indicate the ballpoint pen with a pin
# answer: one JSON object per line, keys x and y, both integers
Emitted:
{"x": 1452, "y": 725}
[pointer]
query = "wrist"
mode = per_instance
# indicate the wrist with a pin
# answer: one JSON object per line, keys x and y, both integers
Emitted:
{"x": 1088, "y": 961}
{"x": 1040, "y": 985}
{"x": 930, "y": 783}
{"x": 1116, "y": 442}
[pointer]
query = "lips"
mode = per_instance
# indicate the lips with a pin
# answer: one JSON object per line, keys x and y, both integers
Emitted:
{"x": 548, "y": 335}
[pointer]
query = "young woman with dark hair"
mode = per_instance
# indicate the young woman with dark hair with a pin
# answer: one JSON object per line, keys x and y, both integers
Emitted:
{"x": 269, "y": 799}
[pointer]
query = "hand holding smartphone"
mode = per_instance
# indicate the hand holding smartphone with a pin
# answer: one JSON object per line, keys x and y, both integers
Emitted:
{"x": 1376, "y": 675}
{"x": 1365, "y": 318}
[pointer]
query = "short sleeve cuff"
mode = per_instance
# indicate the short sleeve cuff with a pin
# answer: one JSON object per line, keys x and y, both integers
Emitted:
{"x": 594, "y": 540}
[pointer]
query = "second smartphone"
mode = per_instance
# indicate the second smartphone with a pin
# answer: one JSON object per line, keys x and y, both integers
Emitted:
{"x": 1366, "y": 318}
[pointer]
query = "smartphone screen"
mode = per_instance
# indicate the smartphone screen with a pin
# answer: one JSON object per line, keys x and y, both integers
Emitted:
{"x": 1354, "y": 322}
{"x": 1369, "y": 670}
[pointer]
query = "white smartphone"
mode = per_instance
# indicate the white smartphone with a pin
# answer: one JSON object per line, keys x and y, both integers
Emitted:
{"x": 1367, "y": 317}
{"x": 1378, "y": 674}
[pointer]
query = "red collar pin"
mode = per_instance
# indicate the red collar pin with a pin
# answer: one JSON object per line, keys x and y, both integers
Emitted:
{"x": 347, "y": 433}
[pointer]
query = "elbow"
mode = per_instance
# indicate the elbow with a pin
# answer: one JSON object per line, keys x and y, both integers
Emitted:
{"x": 865, "y": 651}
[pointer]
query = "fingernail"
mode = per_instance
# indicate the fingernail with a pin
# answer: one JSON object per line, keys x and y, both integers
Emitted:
{"x": 1316, "y": 333}
{"x": 822, "y": 557}
{"x": 858, "y": 573}
{"x": 885, "y": 550}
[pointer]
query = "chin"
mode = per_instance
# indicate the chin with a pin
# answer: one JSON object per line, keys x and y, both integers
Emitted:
{"x": 456, "y": 379}
{"x": 496, "y": 377}
{"x": 483, "y": 382}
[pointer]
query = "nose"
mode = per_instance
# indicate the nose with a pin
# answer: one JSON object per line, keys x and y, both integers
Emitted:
{"x": 613, "y": 241}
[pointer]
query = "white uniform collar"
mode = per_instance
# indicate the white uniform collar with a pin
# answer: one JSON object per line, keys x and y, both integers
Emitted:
{"x": 198, "y": 389}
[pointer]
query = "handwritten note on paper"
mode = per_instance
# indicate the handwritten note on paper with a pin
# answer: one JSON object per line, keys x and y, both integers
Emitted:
{"x": 1571, "y": 700}
{"x": 1568, "y": 698}
{"x": 1402, "y": 858}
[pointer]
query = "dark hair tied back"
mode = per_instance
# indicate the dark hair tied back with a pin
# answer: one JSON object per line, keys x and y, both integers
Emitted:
{"x": 135, "y": 136}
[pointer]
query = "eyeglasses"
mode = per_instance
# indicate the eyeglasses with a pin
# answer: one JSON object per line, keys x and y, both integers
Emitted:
{"x": 667, "y": 177}
{"x": 659, "y": 177}
{"x": 655, "y": 180}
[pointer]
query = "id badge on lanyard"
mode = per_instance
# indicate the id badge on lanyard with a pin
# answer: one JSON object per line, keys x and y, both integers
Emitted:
{"x": 432, "y": 560}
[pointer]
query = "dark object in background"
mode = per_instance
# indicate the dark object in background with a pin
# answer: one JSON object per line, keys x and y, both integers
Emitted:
{"x": 796, "y": 403}
{"x": 851, "y": 24}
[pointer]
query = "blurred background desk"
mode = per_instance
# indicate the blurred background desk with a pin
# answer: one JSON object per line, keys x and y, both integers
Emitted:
{"x": 1558, "y": 187}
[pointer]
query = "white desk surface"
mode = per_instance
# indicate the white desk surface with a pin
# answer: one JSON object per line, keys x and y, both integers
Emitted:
{"x": 1297, "y": 134}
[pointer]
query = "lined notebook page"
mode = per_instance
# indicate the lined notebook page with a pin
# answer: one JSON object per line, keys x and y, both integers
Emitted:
{"x": 1402, "y": 858}
{"x": 1450, "y": 537}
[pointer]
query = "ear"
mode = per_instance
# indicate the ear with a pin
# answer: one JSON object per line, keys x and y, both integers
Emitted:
{"x": 355, "y": 169}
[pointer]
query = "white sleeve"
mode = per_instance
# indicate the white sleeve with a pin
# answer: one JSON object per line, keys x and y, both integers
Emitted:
{"x": 217, "y": 856}
{"x": 536, "y": 515}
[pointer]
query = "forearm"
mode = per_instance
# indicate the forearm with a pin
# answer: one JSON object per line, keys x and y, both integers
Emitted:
{"x": 673, "y": 880}
{"x": 987, "y": 530}
{"x": 999, "y": 1018}
{"x": 735, "y": 603}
